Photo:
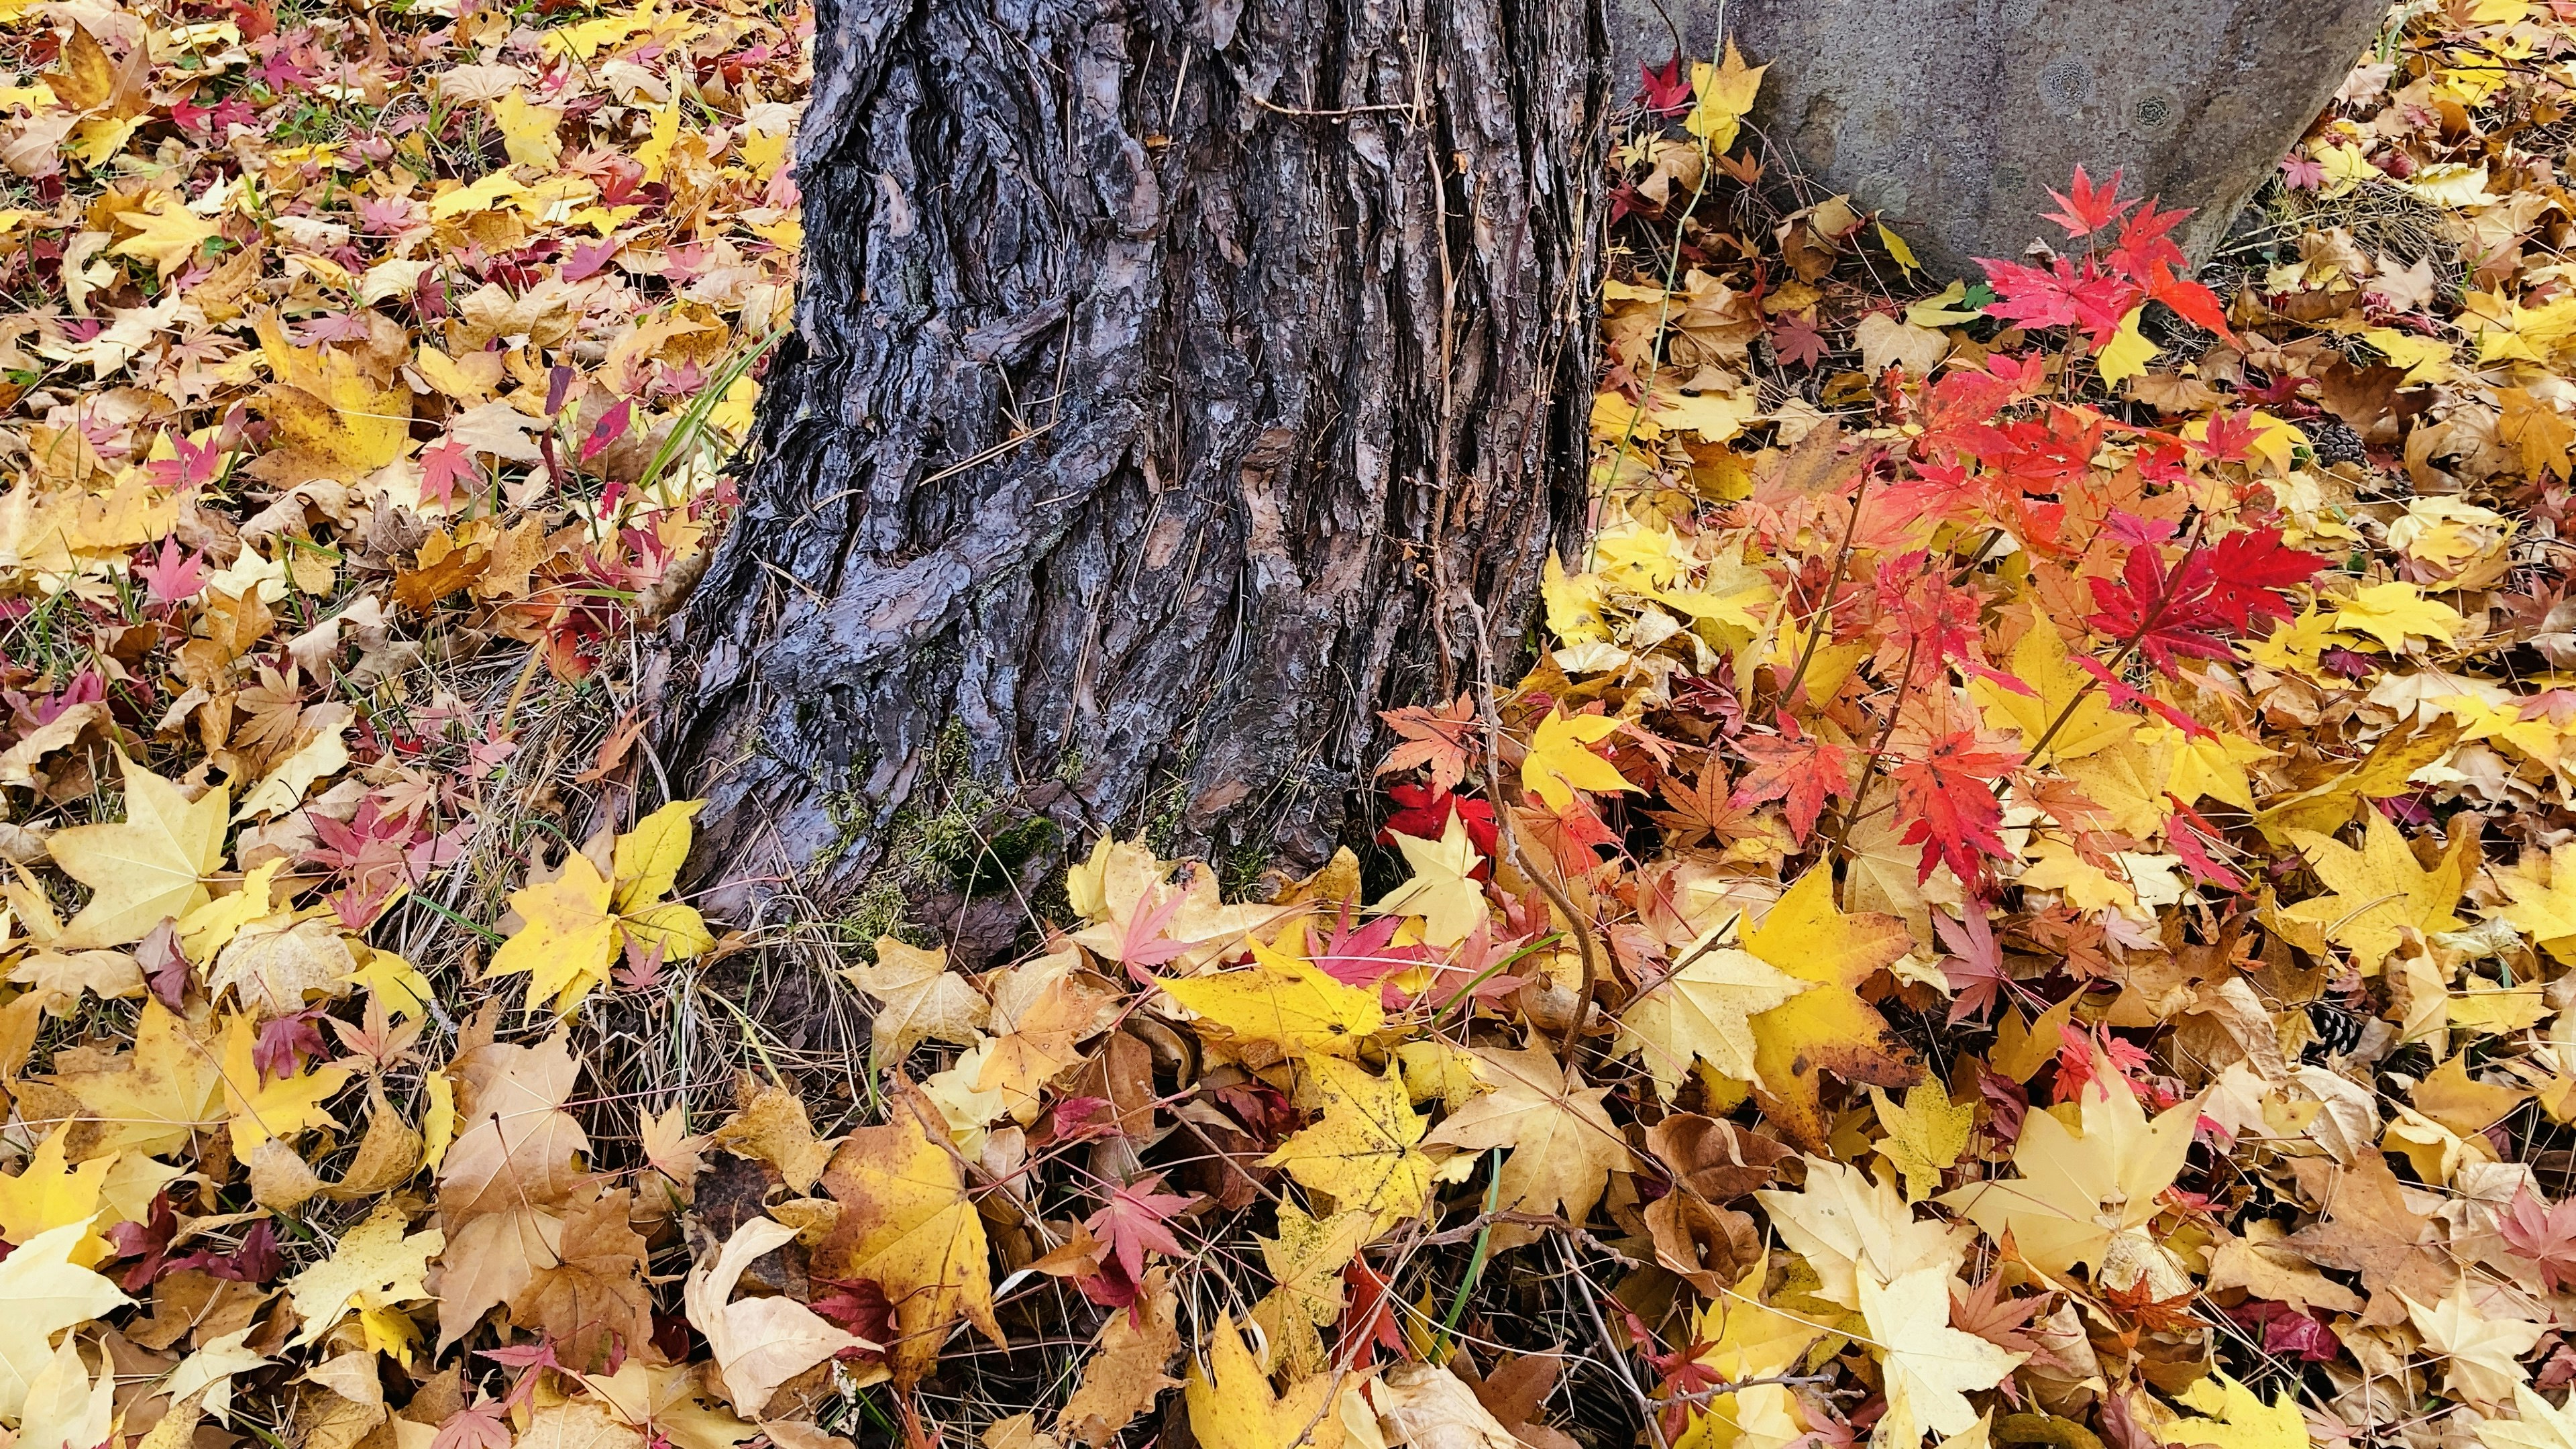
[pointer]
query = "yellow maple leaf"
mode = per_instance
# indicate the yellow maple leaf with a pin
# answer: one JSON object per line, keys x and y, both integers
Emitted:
{"x": 260, "y": 1106}
{"x": 1307, "y": 1258}
{"x": 2394, "y": 612}
{"x": 48, "y": 1193}
{"x": 212, "y": 926}
{"x": 156, "y": 1097}
{"x": 2536, "y": 1424}
{"x": 2380, "y": 891}
{"x": 1231, "y": 1405}
{"x": 2541, "y": 900}
{"x": 1363, "y": 1150}
{"x": 2082, "y": 1196}
{"x": 1924, "y": 1135}
{"x": 2127, "y": 353}
{"x": 918, "y": 999}
{"x": 374, "y": 1266}
{"x": 1725, "y": 94}
{"x": 149, "y": 867}
{"x": 1828, "y": 1029}
{"x": 576, "y": 925}
{"x": 1703, "y": 1010}
{"x": 528, "y": 130}
{"x": 46, "y": 1292}
{"x": 2239, "y": 1419}
{"x": 325, "y": 404}
{"x": 1443, "y": 891}
{"x": 2039, "y": 659}
{"x": 1560, "y": 761}
{"x": 166, "y": 234}
{"x": 1284, "y": 1002}
{"x": 1930, "y": 1367}
{"x": 907, "y": 1225}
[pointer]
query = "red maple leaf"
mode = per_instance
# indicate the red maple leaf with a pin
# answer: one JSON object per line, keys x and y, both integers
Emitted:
{"x": 1666, "y": 92}
{"x": 1134, "y": 1219}
{"x": 2060, "y": 295}
{"x": 1947, "y": 793}
{"x": 2544, "y": 1233}
{"x": 1797, "y": 340}
{"x": 2207, "y": 594}
{"x": 1424, "y": 815}
{"x": 1369, "y": 1319}
{"x": 1799, "y": 771}
{"x": 2086, "y": 208}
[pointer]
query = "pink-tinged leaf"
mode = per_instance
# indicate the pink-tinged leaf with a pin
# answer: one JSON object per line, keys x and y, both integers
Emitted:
{"x": 1798, "y": 341}
{"x": 1365, "y": 956}
{"x": 2191, "y": 839}
{"x": 1975, "y": 967}
{"x": 173, "y": 575}
{"x": 480, "y": 1427}
{"x": 2287, "y": 1332}
{"x": 2543, "y": 1233}
{"x": 1135, "y": 1218}
{"x": 285, "y": 1040}
{"x": 165, "y": 968}
{"x": 443, "y": 465}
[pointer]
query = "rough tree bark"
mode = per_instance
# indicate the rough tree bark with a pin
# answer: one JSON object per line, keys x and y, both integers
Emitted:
{"x": 1168, "y": 376}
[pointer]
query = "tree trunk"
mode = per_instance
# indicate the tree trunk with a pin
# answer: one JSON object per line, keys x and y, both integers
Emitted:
{"x": 1167, "y": 378}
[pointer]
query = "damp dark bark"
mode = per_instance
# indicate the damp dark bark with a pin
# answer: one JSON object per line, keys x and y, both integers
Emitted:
{"x": 1167, "y": 378}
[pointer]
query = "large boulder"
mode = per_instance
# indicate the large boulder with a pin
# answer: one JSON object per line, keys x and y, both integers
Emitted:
{"x": 1953, "y": 118}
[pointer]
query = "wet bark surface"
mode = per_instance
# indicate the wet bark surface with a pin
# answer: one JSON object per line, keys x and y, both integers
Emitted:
{"x": 1166, "y": 379}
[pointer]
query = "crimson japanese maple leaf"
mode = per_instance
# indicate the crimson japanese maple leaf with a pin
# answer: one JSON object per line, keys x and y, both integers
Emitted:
{"x": 1798, "y": 341}
{"x": 1423, "y": 813}
{"x": 1800, "y": 771}
{"x": 2060, "y": 295}
{"x": 2212, "y": 591}
{"x": 1438, "y": 738}
{"x": 2085, "y": 208}
{"x": 612, "y": 425}
{"x": 1947, "y": 794}
{"x": 1134, "y": 1219}
{"x": 1666, "y": 92}
{"x": 2544, "y": 1233}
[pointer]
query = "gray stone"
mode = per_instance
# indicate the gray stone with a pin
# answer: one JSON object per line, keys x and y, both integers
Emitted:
{"x": 1953, "y": 118}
